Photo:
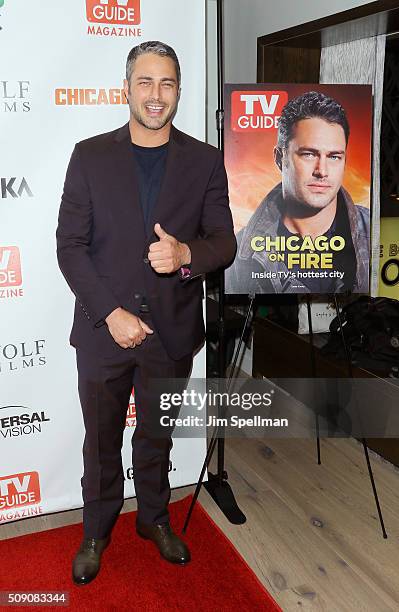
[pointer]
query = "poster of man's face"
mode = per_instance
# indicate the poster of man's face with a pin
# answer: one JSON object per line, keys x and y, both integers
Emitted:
{"x": 298, "y": 159}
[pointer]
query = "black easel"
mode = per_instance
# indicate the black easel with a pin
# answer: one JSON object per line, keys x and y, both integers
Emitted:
{"x": 221, "y": 491}
{"x": 314, "y": 373}
{"x": 217, "y": 485}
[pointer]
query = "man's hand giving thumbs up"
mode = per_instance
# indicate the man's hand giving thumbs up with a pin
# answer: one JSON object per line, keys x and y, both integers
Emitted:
{"x": 168, "y": 254}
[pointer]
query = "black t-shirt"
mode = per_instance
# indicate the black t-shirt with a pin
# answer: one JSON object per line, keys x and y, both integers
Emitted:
{"x": 150, "y": 164}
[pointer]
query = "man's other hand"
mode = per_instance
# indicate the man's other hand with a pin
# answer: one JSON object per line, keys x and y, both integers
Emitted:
{"x": 126, "y": 329}
{"x": 168, "y": 254}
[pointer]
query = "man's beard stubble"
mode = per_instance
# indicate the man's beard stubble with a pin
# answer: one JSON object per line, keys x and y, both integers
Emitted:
{"x": 147, "y": 122}
{"x": 302, "y": 205}
{"x": 302, "y": 209}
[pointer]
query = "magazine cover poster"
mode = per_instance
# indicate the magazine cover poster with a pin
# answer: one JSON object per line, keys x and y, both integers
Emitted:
{"x": 298, "y": 160}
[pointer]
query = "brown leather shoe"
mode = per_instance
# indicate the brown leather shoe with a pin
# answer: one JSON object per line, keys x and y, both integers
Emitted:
{"x": 171, "y": 547}
{"x": 86, "y": 563}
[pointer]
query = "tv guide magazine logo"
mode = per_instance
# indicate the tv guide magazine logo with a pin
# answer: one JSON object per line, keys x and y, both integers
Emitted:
{"x": 256, "y": 110}
{"x": 10, "y": 272}
{"x": 20, "y": 496}
{"x": 113, "y": 17}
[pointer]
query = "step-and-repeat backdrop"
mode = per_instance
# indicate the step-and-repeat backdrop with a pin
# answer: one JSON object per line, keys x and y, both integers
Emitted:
{"x": 62, "y": 69}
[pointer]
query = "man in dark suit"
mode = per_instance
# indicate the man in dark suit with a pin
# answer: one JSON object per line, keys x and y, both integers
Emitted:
{"x": 144, "y": 214}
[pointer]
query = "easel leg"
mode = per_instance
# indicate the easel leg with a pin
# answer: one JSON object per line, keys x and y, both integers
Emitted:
{"x": 313, "y": 366}
{"x": 364, "y": 442}
{"x": 371, "y": 475}
{"x": 218, "y": 488}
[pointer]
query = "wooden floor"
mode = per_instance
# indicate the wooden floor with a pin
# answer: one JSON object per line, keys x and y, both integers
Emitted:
{"x": 312, "y": 534}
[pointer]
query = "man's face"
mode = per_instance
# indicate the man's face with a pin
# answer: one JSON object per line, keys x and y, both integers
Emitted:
{"x": 313, "y": 165}
{"x": 153, "y": 91}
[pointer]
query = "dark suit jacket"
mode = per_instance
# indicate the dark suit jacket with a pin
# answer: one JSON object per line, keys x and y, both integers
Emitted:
{"x": 102, "y": 246}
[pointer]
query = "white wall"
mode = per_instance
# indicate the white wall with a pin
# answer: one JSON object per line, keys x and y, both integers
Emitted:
{"x": 245, "y": 20}
{"x": 212, "y": 74}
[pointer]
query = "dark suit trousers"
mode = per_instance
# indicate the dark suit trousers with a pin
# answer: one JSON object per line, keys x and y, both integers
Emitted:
{"x": 105, "y": 385}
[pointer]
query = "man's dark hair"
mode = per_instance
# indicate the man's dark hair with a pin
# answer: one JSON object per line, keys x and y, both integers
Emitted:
{"x": 151, "y": 46}
{"x": 307, "y": 106}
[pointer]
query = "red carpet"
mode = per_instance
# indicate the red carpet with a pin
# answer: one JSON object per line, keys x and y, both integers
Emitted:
{"x": 133, "y": 576}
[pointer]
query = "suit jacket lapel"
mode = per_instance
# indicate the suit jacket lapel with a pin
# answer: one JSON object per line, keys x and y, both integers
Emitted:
{"x": 125, "y": 177}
